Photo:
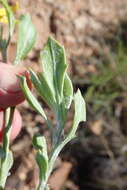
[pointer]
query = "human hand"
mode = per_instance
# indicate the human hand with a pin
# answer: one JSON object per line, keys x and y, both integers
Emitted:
{"x": 11, "y": 95}
{"x": 10, "y": 91}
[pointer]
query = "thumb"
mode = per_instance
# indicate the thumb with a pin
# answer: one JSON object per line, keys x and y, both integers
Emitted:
{"x": 10, "y": 91}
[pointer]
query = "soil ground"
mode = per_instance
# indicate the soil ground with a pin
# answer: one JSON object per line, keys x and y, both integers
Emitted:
{"x": 97, "y": 158}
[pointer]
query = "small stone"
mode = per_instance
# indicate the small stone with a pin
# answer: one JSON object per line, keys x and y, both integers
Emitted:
{"x": 81, "y": 22}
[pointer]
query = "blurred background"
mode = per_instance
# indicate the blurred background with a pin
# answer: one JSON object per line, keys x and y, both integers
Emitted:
{"x": 94, "y": 33}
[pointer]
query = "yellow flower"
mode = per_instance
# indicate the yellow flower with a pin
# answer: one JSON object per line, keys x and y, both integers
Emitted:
{"x": 3, "y": 14}
{"x": 4, "y": 19}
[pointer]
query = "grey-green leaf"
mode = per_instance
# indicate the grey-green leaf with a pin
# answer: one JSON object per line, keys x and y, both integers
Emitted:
{"x": 80, "y": 115}
{"x": 43, "y": 89}
{"x": 39, "y": 142}
{"x": 26, "y": 37}
{"x": 80, "y": 111}
{"x": 5, "y": 167}
{"x": 54, "y": 65}
{"x": 30, "y": 98}
{"x": 67, "y": 91}
{"x": 42, "y": 157}
{"x": 42, "y": 164}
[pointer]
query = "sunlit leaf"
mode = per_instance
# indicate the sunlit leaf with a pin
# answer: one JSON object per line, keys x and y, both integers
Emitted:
{"x": 67, "y": 91}
{"x": 80, "y": 115}
{"x": 30, "y": 98}
{"x": 43, "y": 89}
{"x": 26, "y": 37}
{"x": 39, "y": 143}
{"x": 54, "y": 65}
{"x": 5, "y": 168}
{"x": 80, "y": 111}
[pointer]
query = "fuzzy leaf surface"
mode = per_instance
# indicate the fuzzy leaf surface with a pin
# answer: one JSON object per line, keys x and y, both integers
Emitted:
{"x": 5, "y": 168}
{"x": 26, "y": 37}
{"x": 54, "y": 65}
{"x": 43, "y": 89}
{"x": 80, "y": 115}
{"x": 80, "y": 111}
{"x": 39, "y": 142}
{"x": 67, "y": 91}
{"x": 30, "y": 98}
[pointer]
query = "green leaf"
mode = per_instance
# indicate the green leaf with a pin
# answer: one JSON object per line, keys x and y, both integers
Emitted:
{"x": 80, "y": 115}
{"x": 26, "y": 37}
{"x": 43, "y": 89}
{"x": 30, "y": 98}
{"x": 5, "y": 165}
{"x": 39, "y": 142}
{"x": 54, "y": 65}
{"x": 67, "y": 91}
{"x": 80, "y": 112}
{"x": 42, "y": 164}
